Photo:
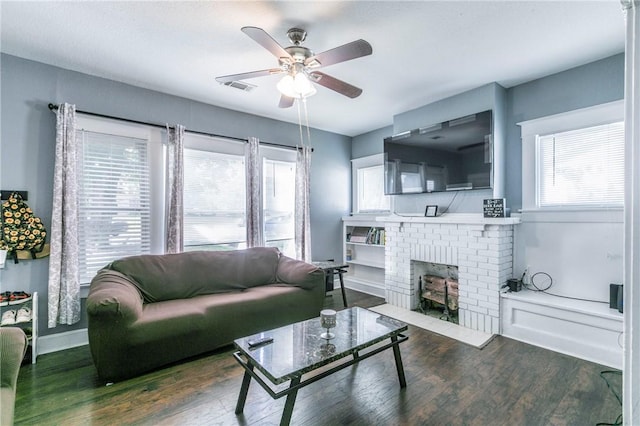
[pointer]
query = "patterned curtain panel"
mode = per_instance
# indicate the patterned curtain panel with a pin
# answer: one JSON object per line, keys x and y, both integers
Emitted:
{"x": 255, "y": 235}
{"x": 303, "y": 217}
{"x": 174, "y": 242}
{"x": 64, "y": 282}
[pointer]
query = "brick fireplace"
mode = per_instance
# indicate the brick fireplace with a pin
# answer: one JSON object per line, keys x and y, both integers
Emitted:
{"x": 480, "y": 248}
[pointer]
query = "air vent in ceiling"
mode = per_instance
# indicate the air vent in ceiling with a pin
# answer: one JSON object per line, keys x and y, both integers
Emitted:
{"x": 240, "y": 85}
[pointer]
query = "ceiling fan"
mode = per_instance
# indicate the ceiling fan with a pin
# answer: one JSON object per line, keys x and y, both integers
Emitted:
{"x": 300, "y": 65}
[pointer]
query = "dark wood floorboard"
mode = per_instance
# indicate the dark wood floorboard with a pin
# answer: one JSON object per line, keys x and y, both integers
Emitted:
{"x": 448, "y": 383}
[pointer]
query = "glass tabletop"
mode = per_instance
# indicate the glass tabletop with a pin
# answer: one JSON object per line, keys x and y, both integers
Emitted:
{"x": 330, "y": 264}
{"x": 298, "y": 348}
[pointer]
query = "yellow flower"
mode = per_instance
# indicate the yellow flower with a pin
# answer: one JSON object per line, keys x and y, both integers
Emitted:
{"x": 17, "y": 214}
{"x": 13, "y": 233}
{"x": 17, "y": 221}
{"x": 36, "y": 220}
{"x": 29, "y": 210}
{"x": 13, "y": 239}
{"x": 36, "y": 232}
{"x": 9, "y": 220}
{"x": 21, "y": 237}
{"x": 22, "y": 210}
{"x": 32, "y": 237}
{"x": 7, "y": 213}
{"x": 14, "y": 206}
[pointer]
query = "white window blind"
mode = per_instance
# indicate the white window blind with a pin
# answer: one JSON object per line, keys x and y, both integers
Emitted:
{"x": 114, "y": 200}
{"x": 214, "y": 200}
{"x": 583, "y": 167}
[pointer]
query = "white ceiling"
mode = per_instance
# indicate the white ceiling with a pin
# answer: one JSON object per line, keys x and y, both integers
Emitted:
{"x": 422, "y": 51}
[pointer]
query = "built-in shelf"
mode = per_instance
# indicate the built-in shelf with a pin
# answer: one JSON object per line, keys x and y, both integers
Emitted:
{"x": 349, "y": 243}
{"x": 580, "y": 328}
{"x": 379, "y": 265}
{"x": 365, "y": 256}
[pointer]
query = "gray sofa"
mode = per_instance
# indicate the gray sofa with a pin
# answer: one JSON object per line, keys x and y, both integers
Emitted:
{"x": 13, "y": 347}
{"x": 148, "y": 311}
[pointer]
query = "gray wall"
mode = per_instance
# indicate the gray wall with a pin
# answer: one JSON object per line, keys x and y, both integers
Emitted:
{"x": 28, "y": 142}
{"x": 591, "y": 84}
{"x": 588, "y": 85}
{"x": 370, "y": 143}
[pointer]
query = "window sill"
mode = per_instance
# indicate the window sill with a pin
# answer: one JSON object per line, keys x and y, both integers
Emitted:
{"x": 574, "y": 215}
{"x": 84, "y": 291}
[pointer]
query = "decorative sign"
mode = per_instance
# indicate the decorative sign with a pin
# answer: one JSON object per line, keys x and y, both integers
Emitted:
{"x": 494, "y": 207}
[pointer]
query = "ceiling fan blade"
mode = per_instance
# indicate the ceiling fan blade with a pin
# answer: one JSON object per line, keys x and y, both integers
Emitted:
{"x": 261, "y": 37}
{"x": 333, "y": 83}
{"x": 346, "y": 52}
{"x": 285, "y": 102}
{"x": 253, "y": 74}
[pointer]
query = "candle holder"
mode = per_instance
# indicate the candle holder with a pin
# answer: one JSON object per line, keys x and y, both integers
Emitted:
{"x": 328, "y": 321}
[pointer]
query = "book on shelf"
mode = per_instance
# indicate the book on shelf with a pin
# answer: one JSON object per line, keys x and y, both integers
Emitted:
{"x": 376, "y": 236}
{"x": 359, "y": 235}
{"x": 362, "y": 235}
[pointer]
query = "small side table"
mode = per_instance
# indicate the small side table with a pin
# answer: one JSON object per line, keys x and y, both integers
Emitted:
{"x": 331, "y": 268}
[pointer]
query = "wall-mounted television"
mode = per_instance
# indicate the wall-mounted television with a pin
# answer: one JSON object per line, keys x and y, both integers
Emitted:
{"x": 450, "y": 156}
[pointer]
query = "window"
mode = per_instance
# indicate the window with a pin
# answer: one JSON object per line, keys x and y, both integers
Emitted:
{"x": 214, "y": 194}
{"x": 121, "y": 193}
{"x": 583, "y": 167}
{"x": 278, "y": 195}
{"x": 368, "y": 185}
{"x": 114, "y": 194}
{"x": 574, "y": 160}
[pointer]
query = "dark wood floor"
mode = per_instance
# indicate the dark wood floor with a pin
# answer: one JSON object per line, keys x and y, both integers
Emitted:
{"x": 448, "y": 383}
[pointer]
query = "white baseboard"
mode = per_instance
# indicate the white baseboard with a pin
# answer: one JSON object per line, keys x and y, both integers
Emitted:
{"x": 363, "y": 286}
{"x": 61, "y": 341}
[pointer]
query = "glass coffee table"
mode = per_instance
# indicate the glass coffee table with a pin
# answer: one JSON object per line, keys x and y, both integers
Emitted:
{"x": 297, "y": 350}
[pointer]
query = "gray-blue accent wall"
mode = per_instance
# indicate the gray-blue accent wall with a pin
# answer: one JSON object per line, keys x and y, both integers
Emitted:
{"x": 28, "y": 143}
{"x": 28, "y": 139}
{"x": 580, "y": 87}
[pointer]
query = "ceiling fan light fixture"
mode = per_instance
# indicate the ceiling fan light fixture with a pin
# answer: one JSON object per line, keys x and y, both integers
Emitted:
{"x": 297, "y": 86}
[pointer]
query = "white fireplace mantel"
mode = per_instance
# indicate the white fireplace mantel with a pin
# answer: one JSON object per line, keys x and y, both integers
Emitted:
{"x": 456, "y": 218}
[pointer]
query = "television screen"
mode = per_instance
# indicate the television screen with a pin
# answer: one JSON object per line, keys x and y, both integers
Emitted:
{"x": 449, "y": 156}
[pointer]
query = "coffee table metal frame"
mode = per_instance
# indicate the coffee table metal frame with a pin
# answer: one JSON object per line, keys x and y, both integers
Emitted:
{"x": 296, "y": 382}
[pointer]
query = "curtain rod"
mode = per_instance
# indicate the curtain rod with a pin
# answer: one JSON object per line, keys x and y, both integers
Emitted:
{"x": 54, "y": 107}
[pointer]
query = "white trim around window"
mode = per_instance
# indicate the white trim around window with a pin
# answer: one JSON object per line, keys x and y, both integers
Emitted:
{"x": 361, "y": 163}
{"x": 107, "y": 131}
{"x": 572, "y": 120}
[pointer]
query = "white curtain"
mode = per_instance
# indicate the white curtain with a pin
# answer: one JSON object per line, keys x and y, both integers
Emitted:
{"x": 255, "y": 235}
{"x": 64, "y": 282}
{"x": 174, "y": 189}
{"x": 302, "y": 213}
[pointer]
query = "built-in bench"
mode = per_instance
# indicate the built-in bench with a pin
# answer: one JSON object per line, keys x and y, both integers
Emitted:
{"x": 587, "y": 330}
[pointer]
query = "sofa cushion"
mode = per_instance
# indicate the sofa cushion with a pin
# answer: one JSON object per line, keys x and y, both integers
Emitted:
{"x": 186, "y": 275}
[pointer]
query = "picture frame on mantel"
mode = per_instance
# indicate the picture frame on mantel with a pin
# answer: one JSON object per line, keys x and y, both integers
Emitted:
{"x": 494, "y": 207}
{"x": 431, "y": 211}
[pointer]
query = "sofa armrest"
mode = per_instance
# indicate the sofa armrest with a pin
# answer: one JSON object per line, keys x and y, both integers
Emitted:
{"x": 299, "y": 273}
{"x": 114, "y": 295}
{"x": 13, "y": 347}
